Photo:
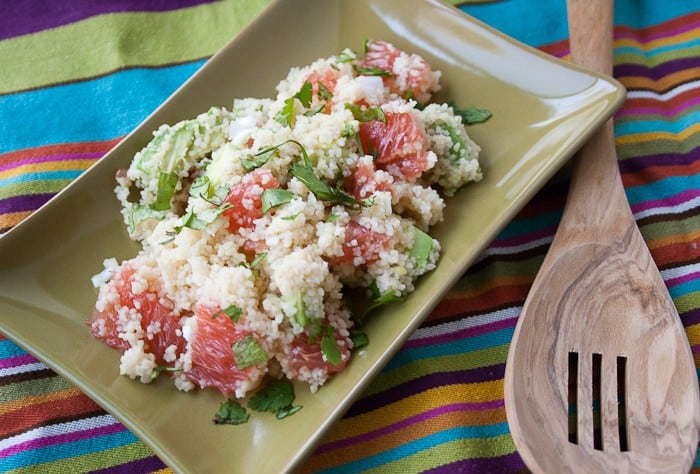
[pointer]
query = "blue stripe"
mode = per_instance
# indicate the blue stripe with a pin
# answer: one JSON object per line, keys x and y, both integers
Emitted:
{"x": 684, "y": 288}
{"x": 461, "y": 346}
{"x": 634, "y": 127}
{"x": 40, "y": 456}
{"x": 41, "y": 176}
{"x": 546, "y": 22}
{"x": 662, "y": 188}
{"x": 416, "y": 446}
{"x": 66, "y": 113}
{"x": 519, "y": 227}
{"x": 10, "y": 349}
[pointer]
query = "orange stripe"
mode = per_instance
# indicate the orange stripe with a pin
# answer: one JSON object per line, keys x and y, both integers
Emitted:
{"x": 11, "y": 219}
{"x": 396, "y": 438}
{"x": 647, "y": 175}
{"x": 30, "y": 416}
{"x": 660, "y": 85}
{"x": 47, "y": 166}
{"x": 498, "y": 296}
{"x": 14, "y": 405}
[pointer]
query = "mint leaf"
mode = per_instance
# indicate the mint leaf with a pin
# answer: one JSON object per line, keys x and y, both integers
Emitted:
{"x": 275, "y": 197}
{"x": 247, "y": 352}
{"x": 276, "y": 395}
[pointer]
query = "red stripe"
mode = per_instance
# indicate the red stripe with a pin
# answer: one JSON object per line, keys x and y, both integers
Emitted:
{"x": 59, "y": 149}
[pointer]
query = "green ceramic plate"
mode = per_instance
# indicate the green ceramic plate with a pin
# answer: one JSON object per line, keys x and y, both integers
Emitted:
{"x": 543, "y": 110}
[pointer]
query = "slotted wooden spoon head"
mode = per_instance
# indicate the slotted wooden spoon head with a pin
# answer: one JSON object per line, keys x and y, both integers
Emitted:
{"x": 600, "y": 377}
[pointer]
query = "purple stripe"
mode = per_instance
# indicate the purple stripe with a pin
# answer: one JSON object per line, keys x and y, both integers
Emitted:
{"x": 690, "y": 318}
{"x": 21, "y": 17}
{"x": 670, "y": 201}
{"x": 680, "y": 29}
{"x": 149, "y": 464}
{"x": 666, "y": 112}
{"x": 683, "y": 279}
{"x": 658, "y": 72}
{"x": 44, "y": 159}
{"x": 419, "y": 418}
{"x": 42, "y": 442}
{"x": 16, "y": 361}
{"x": 631, "y": 165}
{"x": 510, "y": 463}
{"x": 461, "y": 334}
{"x": 423, "y": 383}
{"x": 26, "y": 202}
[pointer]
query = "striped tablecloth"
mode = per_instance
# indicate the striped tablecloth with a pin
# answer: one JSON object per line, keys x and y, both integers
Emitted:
{"x": 438, "y": 405}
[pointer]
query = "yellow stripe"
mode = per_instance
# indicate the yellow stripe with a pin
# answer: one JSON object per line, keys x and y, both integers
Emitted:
{"x": 14, "y": 405}
{"x": 693, "y": 333}
{"x": 421, "y": 402}
{"x": 47, "y": 166}
{"x": 11, "y": 219}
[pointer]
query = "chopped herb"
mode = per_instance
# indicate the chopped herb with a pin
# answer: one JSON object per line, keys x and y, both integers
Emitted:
{"x": 323, "y": 92}
{"x": 292, "y": 217}
{"x": 365, "y": 45}
{"x": 471, "y": 115}
{"x": 349, "y": 130}
{"x": 162, "y": 368}
{"x": 378, "y": 301}
{"x": 304, "y": 172}
{"x": 257, "y": 160}
{"x": 286, "y": 115}
{"x": 201, "y": 187}
{"x": 233, "y": 312}
{"x": 200, "y": 220}
{"x": 276, "y": 395}
{"x": 305, "y": 94}
{"x": 231, "y": 413}
{"x": 258, "y": 259}
{"x": 167, "y": 182}
{"x": 300, "y": 307}
{"x": 315, "y": 110}
{"x": 359, "y": 338}
{"x": 422, "y": 245}
{"x": 344, "y": 58}
{"x": 313, "y": 329}
{"x": 247, "y": 352}
{"x": 329, "y": 346}
{"x": 368, "y": 201}
{"x": 287, "y": 411}
{"x": 372, "y": 71}
{"x": 275, "y": 197}
{"x": 140, "y": 213}
{"x": 332, "y": 217}
{"x": 366, "y": 115}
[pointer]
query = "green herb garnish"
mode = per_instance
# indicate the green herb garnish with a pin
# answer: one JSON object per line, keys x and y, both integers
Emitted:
{"x": 305, "y": 94}
{"x": 231, "y": 413}
{"x": 471, "y": 115}
{"x": 233, "y": 312}
{"x": 329, "y": 346}
{"x": 304, "y": 172}
{"x": 275, "y": 397}
{"x": 162, "y": 368}
{"x": 371, "y": 71}
{"x": 275, "y": 197}
{"x": 286, "y": 115}
{"x": 167, "y": 182}
{"x": 366, "y": 115}
{"x": 323, "y": 92}
{"x": 247, "y": 352}
{"x": 359, "y": 338}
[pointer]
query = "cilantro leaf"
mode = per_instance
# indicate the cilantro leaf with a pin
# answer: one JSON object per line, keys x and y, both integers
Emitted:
{"x": 315, "y": 110}
{"x": 258, "y": 259}
{"x": 233, "y": 312}
{"x": 286, "y": 115}
{"x": 329, "y": 346}
{"x": 471, "y": 115}
{"x": 305, "y": 94}
{"x": 287, "y": 411}
{"x": 372, "y": 71}
{"x": 366, "y": 115}
{"x": 275, "y": 197}
{"x": 305, "y": 173}
{"x": 359, "y": 338}
{"x": 247, "y": 352}
{"x": 323, "y": 92}
{"x": 231, "y": 413}
{"x": 140, "y": 213}
{"x": 274, "y": 396}
{"x": 257, "y": 160}
{"x": 162, "y": 368}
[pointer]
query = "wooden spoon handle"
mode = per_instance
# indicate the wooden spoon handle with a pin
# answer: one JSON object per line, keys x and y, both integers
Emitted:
{"x": 596, "y": 201}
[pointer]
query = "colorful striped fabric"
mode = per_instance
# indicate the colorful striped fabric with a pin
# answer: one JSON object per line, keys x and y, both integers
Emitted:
{"x": 76, "y": 76}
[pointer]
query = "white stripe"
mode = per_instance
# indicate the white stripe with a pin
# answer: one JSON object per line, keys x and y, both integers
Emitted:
{"x": 58, "y": 429}
{"x": 666, "y": 95}
{"x": 499, "y": 250}
{"x": 677, "y": 209}
{"x": 676, "y": 272}
{"x": 20, "y": 369}
{"x": 464, "y": 323}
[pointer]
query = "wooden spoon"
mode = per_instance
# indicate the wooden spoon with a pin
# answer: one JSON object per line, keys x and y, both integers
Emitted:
{"x": 600, "y": 377}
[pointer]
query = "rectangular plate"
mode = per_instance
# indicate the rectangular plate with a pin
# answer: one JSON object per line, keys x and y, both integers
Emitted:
{"x": 543, "y": 110}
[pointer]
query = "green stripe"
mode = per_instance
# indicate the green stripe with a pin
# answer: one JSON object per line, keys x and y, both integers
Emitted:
{"x": 658, "y": 230}
{"x": 42, "y": 386}
{"x": 93, "y": 461}
{"x": 121, "y": 40}
{"x": 688, "y": 302}
{"x": 656, "y": 59}
{"x": 523, "y": 268}
{"x": 450, "y": 452}
{"x": 449, "y": 363}
{"x": 654, "y": 147}
{"x": 33, "y": 187}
